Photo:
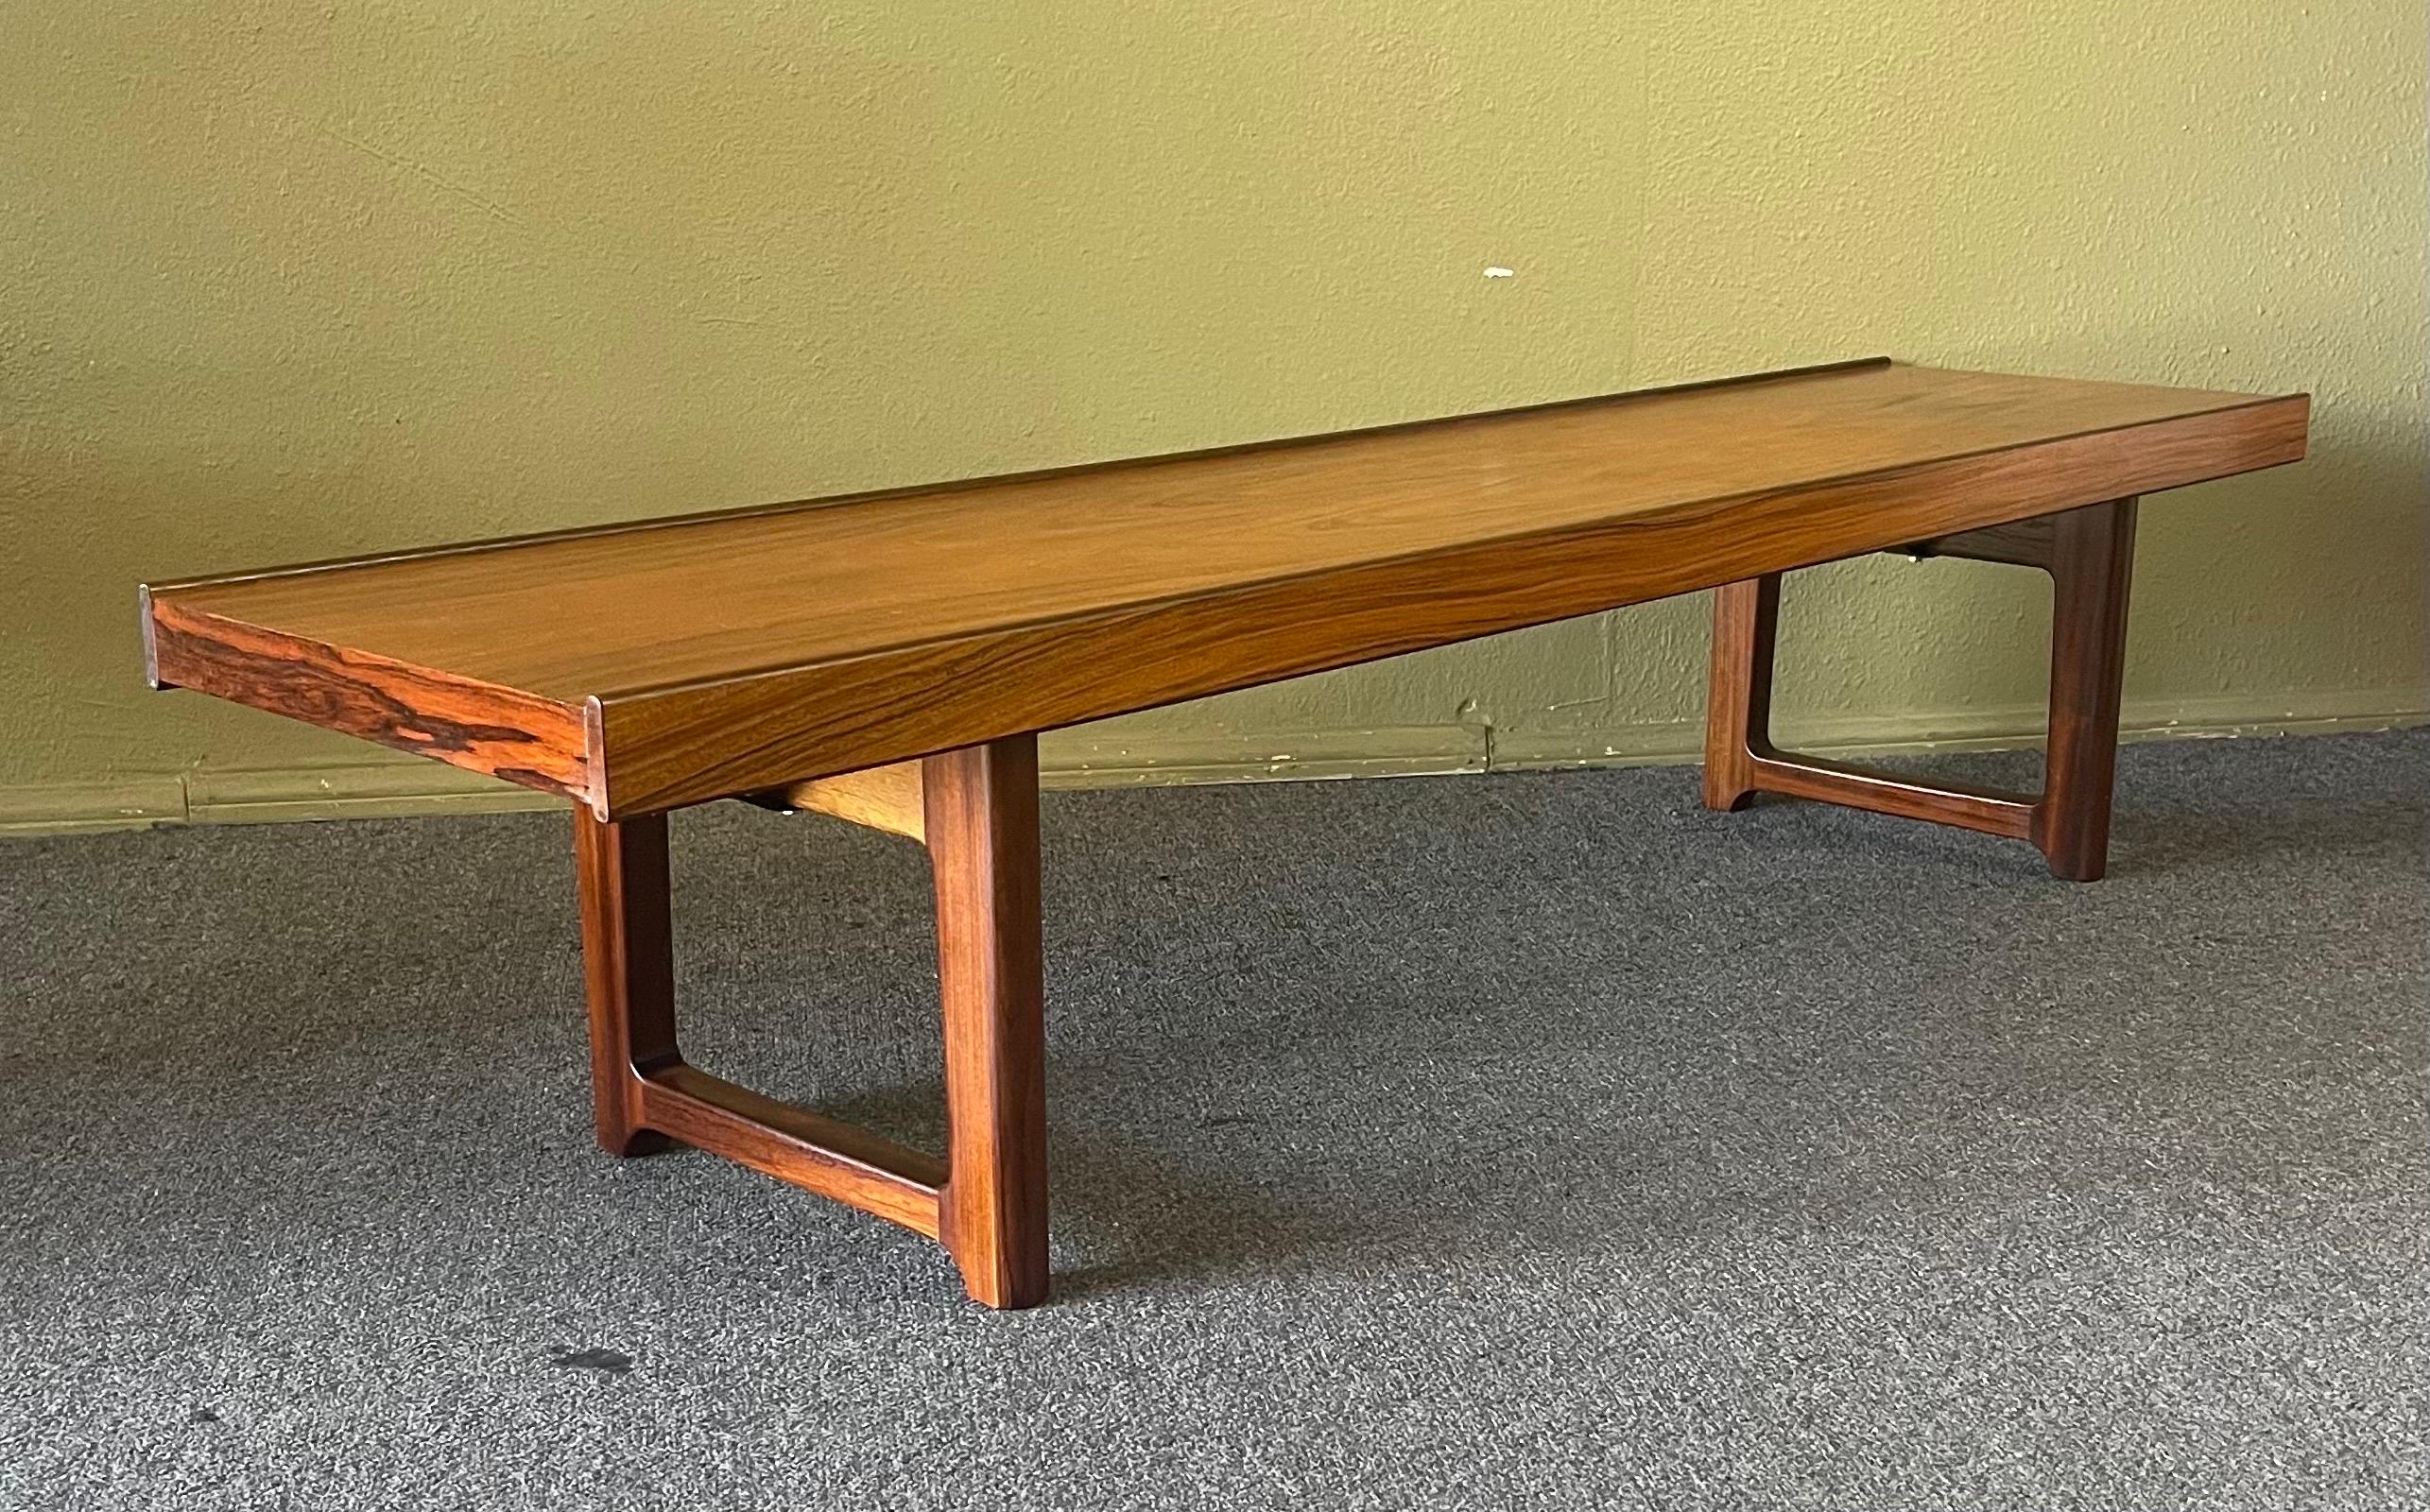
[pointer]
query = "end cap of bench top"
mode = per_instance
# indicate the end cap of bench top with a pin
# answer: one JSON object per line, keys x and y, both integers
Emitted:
{"x": 151, "y": 646}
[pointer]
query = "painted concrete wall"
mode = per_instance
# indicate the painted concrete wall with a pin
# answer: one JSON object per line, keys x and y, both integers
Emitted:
{"x": 287, "y": 282}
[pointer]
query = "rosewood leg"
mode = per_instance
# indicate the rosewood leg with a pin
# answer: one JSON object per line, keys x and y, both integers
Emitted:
{"x": 987, "y": 1203}
{"x": 982, "y": 824}
{"x": 2092, "y": 560}
{"x": 628, "y": 966}
{"x": 1738, "y": 712}
{"x": 2088, "y": 553}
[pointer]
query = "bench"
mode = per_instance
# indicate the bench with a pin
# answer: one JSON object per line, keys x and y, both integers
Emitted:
{"x": 890, "y": 658}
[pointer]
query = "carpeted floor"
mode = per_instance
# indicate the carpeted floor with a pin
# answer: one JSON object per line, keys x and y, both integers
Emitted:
{"x": 1525, "y": 1141}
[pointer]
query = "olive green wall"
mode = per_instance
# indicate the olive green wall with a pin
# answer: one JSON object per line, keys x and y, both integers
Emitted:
{"x": 286, "y": 281}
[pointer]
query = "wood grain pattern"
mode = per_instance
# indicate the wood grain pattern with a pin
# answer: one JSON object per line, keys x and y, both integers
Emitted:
{"x": 983, "y": 847}
{"x": 735, "y": 653}
{"x": 524, "y": 739}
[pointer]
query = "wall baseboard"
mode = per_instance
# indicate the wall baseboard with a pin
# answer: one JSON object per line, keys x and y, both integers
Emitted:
{"x": 128, "y": 804}
{"x": 1085, "y": 758}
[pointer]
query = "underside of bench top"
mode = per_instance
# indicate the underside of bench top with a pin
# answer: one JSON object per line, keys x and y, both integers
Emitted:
{"x": 642, "y": 667}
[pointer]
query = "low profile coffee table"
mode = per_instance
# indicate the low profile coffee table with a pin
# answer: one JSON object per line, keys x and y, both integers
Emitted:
{"x": 889, "y": 658}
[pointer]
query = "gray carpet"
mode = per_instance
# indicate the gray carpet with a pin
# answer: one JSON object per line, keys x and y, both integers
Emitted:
{"x": 1525, "y": 1141}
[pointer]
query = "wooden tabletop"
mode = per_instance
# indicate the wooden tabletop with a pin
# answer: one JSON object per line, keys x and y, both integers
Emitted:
{"x": 641, "y": 666}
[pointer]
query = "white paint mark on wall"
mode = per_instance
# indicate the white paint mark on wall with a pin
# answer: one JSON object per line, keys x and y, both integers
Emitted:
{"x": 1500, "y": 272}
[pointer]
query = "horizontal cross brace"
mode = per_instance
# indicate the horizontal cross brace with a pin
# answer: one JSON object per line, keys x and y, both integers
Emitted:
{"x": 835, "y": 1159}
{"x": 1990, "y": 810}
{"x": 893, "y": 799}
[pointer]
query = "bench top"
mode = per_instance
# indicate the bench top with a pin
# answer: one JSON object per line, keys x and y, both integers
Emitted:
{"x": 641, "y": 666}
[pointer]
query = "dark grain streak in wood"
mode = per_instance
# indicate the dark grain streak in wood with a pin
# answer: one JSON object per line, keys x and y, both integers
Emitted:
{"x": 498, "y": 731}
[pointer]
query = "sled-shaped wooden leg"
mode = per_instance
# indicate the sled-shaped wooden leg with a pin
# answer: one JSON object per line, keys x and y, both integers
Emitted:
{"x": 2089, "y": 554}
{"x": 978, "y": 810}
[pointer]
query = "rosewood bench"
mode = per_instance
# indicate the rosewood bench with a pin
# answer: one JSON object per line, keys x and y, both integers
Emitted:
{"x": 889, "y": 658}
